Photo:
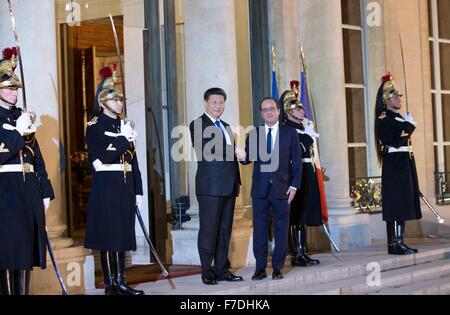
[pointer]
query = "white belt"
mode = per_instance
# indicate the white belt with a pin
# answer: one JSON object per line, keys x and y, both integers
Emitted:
{"x": 114, "y": 168}
{"x": 398, "y": 150}
{"x": 307, "y": 161}
{"x": 17, "y": 168}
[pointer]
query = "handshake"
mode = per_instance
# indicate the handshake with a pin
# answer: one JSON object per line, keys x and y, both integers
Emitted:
{"x": 25, "y": 124}
{"x": 127, "y": 130}
{"x": 240, "y": 154}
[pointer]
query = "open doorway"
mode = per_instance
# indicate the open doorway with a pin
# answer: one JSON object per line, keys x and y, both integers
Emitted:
{"x": 85, "y": 49}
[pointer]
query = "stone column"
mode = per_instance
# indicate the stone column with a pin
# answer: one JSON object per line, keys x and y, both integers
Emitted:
{"x": 211, "y": 61}
{"x": 285, "y": 38}
{"x": 321, "y": 37}
{"x": 133, "y": 27}
{"x": 41, "y": 74}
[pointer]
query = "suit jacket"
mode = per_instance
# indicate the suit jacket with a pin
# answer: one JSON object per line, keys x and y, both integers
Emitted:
{"x": 282, "y": 175}
{"x": 218, "y": 169}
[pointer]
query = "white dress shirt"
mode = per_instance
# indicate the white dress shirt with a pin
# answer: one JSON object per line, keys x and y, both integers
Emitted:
{"x": 274, "y": 133}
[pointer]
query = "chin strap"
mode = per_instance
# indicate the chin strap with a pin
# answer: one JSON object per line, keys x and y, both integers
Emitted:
{"x": 5, "y": 101}
{"x": 111, "y": 110}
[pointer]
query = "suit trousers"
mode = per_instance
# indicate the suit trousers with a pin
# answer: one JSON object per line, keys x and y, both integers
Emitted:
{"x": 216, "y": 223}
{"x": 262, "y": 210}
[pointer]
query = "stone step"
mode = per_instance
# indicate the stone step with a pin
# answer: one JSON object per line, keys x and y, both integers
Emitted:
{"x": 440, "y": 286}
{"x": 350, "y": 266}
{"x": 332, "y": 270}
{"x": 388, "y": 279}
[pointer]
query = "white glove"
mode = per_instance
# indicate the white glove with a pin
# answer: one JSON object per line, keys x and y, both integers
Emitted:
{"x": 409, "y": 118}
{"x": 309, "y": 130}
{"x": 127, "y": 130}
{"x": 96, "y": 164}
{"x": 240, "y": 154}
{"x": 138, "y": 201}
{"x": 46, "y": 202}
{"x": 24, "y": 125}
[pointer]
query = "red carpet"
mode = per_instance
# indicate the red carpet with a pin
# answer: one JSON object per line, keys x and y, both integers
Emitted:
{"x": 151, "y": 273}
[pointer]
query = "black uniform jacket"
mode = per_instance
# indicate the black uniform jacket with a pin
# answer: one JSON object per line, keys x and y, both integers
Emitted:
{"x": 22, "y": 213}
{"x": 112, "y": 202}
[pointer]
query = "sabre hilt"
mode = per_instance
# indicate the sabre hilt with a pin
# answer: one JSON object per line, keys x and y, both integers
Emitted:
{"x": 132, "y": 123}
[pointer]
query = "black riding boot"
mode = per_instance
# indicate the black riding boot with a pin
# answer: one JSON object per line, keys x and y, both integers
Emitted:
{"x": 7, "y": 282}
{"x": 304, "y": 244}
{"x": 300, "y": 259}
{"x": 402, "y": 241}
{"x": 124, "y": 289}
{"x": 394, "y": 235}
{"x": 21, "y": 282}
{"x": 293, "y": 240}
{"x": 108, "y": 274}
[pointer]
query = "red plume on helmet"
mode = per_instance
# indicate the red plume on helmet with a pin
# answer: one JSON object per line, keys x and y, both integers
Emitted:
{"x": 295, "y": 86}
{"x": 9, "y": 52}
{"x": 106, "y": 72}
{"x": 386, "y": 78}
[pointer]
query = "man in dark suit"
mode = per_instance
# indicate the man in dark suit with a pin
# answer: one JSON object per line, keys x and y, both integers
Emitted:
{"x": 275, "y": 151}
{"x": 217, "y": 185}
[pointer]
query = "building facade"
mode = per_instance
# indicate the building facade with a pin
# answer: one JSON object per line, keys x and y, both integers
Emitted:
{"x": 173, "y": 50}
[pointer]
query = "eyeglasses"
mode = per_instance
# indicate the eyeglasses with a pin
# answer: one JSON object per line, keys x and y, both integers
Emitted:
{"x": 269, "y": 110}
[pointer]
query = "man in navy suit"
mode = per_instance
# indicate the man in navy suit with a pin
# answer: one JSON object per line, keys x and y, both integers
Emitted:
{"x": 275, "y": 151}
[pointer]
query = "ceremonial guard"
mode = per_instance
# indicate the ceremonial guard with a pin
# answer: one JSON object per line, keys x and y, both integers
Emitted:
{"x": 400, "y": 188}
{"x": 306, "y": 209}
{"x": 116, "y": 186}
{"x": 25, "y": 188}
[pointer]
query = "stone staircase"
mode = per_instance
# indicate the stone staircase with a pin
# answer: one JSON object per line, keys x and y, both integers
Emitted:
{"x": 427, "y": 272}
{"x": 349, "y": 273}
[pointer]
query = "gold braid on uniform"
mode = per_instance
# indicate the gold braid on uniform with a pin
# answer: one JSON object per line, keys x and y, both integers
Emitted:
{"x": 311, "y": 152}
{"x": 30, "y": 139}
{"x": 27, "y": 147}
{"x": 131, "y": 153}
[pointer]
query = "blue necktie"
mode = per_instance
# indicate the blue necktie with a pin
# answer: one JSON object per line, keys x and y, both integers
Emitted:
{"x": 269, "y": 142}
{"x": 217, "y": 123}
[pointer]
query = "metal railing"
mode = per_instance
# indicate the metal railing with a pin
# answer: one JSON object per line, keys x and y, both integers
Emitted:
{"x": 366, "y": 194}
{"x": 442, "y": 188}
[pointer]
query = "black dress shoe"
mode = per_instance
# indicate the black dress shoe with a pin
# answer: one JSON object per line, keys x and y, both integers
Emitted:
{"x": 277, "y": 274}
{"x": 231, "y": 278}
{"x": 209, "y": 281}
{"x": 259, "y": 274}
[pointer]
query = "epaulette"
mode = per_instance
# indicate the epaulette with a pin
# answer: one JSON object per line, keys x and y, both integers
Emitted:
{"x": 382, "y": 116}
{"x": 93, "y": 121}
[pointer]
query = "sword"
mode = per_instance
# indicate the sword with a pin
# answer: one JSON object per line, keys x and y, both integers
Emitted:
{"x": 138, "y": 213}
{"x": 119, "y": 58}
{"x": 52, "y": 257}
{"x": 404, "y": 73}
{"x": 19, "y": 55}
{"x": 325, "y": 229}
{"x": 439, "y": 218}
{"x": 149, "y": 241}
